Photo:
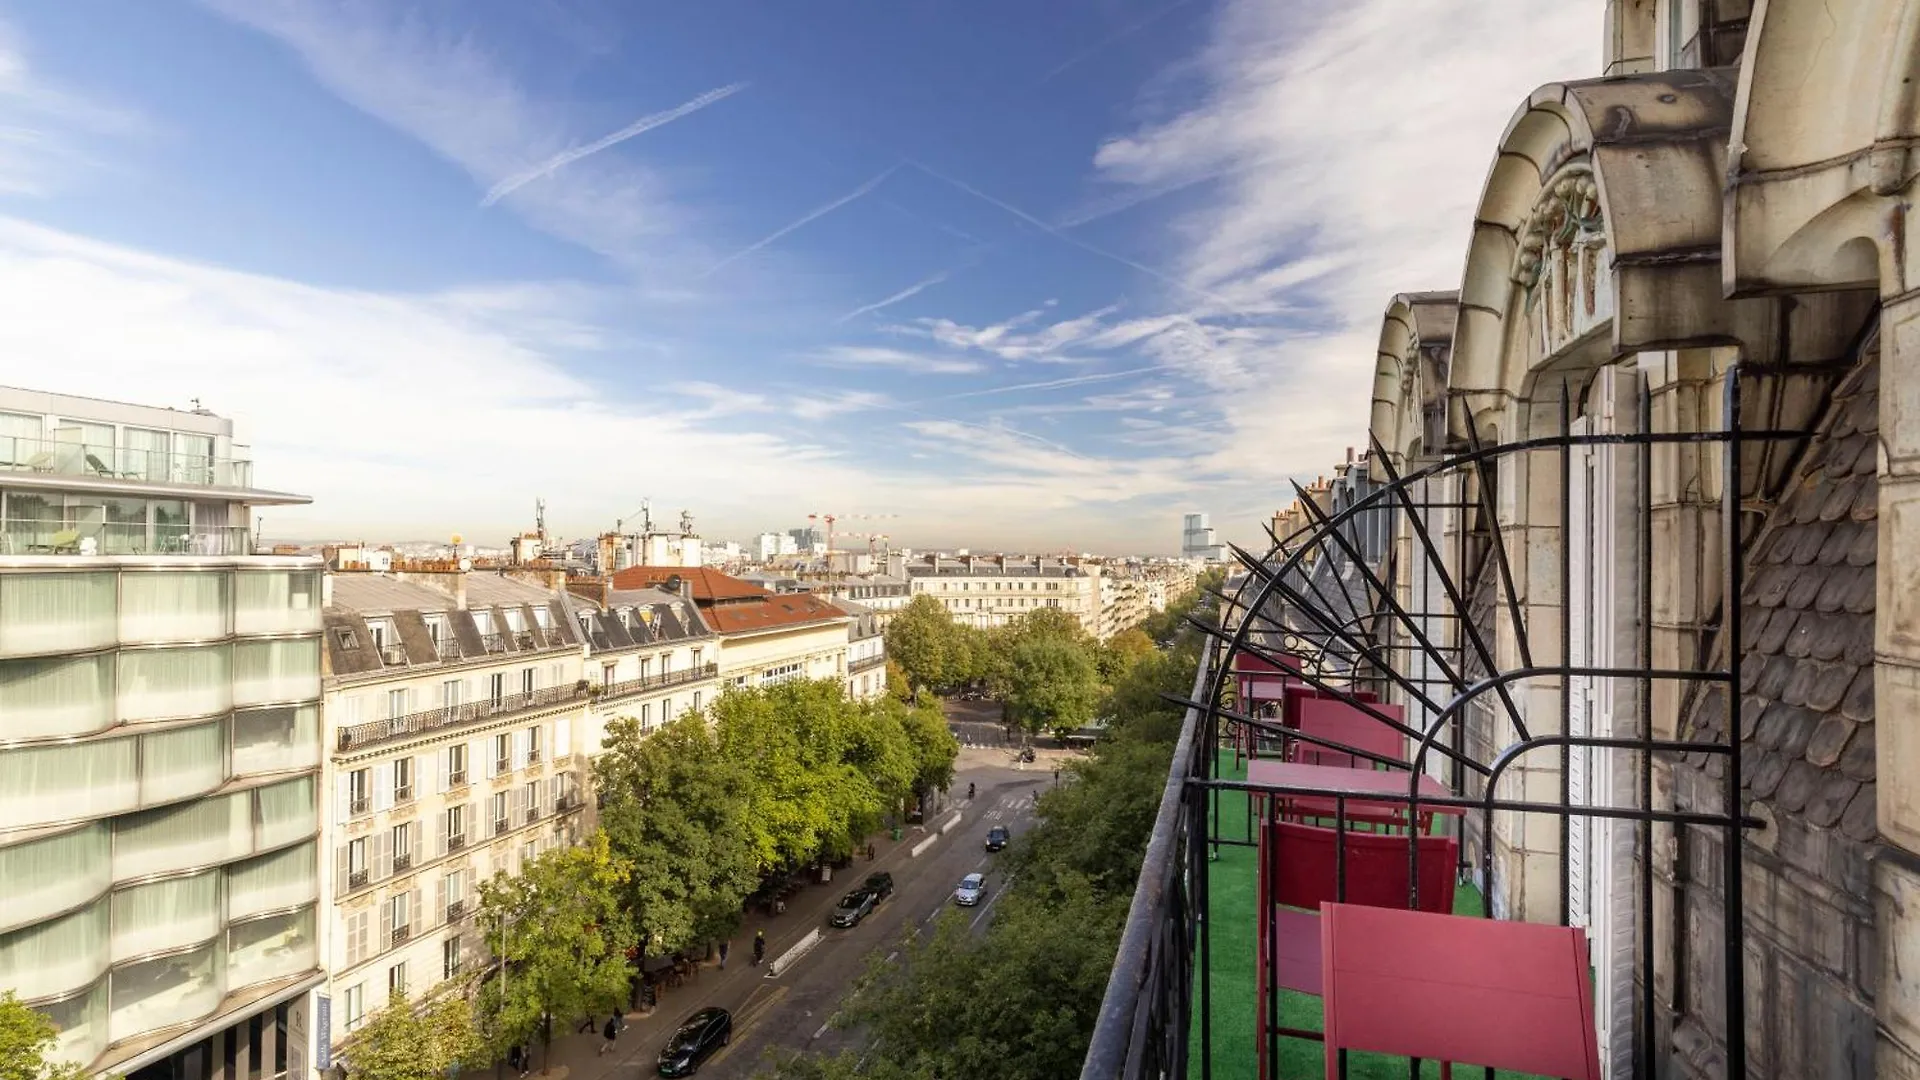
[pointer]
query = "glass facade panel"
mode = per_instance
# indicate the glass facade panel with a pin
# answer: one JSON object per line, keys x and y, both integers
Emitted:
{"x": 55, "y": 874}
{"x": 165, "y": 915}
{"x": 144, "y": 454}
{"x": 287, "y": 812}
{"x": 204, "y": 833}
{"x": 82, "y": 1020}
{"x": 56, "y": 696}
{"x": 181, "y": 763}
{"x": 161, "y": 993}
{"x": 272, "y": 882}
{"x": 271, "y": 948}
{"x": 42, "y": 614}
{"x": 168, "y": 684}
{"x": 268, "y": 672}
{"x": 276, "y": 601}
{"x": 159, "y": 606}
{"x": 56, "y": 957}
{"x": 40, "y": 785}
{"x": 276, "y": 739}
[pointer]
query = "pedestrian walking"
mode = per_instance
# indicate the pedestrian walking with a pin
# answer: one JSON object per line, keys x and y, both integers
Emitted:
{"x": 586, "y": 1025}
{"x": 723, "y": 956}
{"x": 759, "y": 947}
{"x": 1056, "y": 776}
{"x": 869, "y": 852}
{"x": 612, "y": 1031}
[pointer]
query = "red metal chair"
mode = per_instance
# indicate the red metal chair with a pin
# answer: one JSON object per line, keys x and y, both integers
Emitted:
{"x": 1339, "y": 722}
{"x": 1300, "y": 868}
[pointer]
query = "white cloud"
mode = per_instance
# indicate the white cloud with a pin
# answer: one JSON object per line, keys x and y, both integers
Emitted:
{"x": 45, "y": 129}
{"x": 857, "y": 356}
{"x": 639, "y": 127}
{"x": 912, "y": 290}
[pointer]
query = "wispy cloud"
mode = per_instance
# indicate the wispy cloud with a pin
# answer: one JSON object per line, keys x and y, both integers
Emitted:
{"x": 914, "y": 289}
{"x": 858, "y": 356}
{"x": 44, "y": 128}
{"x": 1124, "y": 32}
{"x": 639, "y": 127}
{"x": 1057, "y": 384}
{"x": 805, "y": 219}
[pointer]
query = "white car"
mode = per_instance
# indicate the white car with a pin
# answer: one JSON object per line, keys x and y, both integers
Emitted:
{"x": 972, "y": 888}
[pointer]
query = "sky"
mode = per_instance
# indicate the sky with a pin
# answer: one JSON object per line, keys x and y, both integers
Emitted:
{"x": 984, "y": 273}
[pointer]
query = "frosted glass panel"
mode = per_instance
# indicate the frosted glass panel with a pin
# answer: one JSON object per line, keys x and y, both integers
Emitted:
{"x": 55, "y": 697}
{"x": 271, "y": 882}
{"x": 204, "y": 833}
{"x": 159, "y": 606}
{"x": 182, "y": 762}
{"x": 167, "y": 684}
{"x": 47, "y": 613}
{"x": 82, "y": 1020}
{"x": 276, "y": 601}
{"x": 276, "y": 739}
{"x": 287, "y": 812}
{"x": 67, "y": 782}
{"x": 52, "y": 875}
{"x": 165, "y": 915}
{"x": 161, "y": 993}
{"x": 56, "y": 957}
{"x": 271, "y": 948}
{"x": 269, "y": 672}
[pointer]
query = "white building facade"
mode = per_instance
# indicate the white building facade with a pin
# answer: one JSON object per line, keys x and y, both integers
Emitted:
{"x": 993, "y": 591}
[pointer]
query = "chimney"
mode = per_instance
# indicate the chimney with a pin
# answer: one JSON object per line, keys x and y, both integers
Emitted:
{"x": 326, "y": 589}
{"x": 1349, "y": 455}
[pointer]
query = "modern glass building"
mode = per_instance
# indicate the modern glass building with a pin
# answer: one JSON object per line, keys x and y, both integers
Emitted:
{"x": 159, "y": 744}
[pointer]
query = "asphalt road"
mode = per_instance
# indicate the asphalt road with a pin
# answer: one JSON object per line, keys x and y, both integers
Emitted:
{"x": 791, "y": 1011}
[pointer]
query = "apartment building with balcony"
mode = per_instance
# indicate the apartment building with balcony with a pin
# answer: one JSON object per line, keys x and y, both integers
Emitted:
{"x": 650, "y": 658}
{"x": 989, "y": 591}
{"x": 160, "y": 691}
{"x": 866, "y": 651}
{"x": 455, "y": 721}
{"x": 765, "y": 638}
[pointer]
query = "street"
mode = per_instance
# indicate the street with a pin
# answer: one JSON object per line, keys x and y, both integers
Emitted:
{"x": 791, "y": 1011}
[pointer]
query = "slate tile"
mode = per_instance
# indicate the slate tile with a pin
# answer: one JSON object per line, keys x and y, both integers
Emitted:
{"x": 1750, "y": 674}
{"x": 1857, "y": 705}
{"x": 1804, "y": 675}
{"x": 1861, "y": 822}
{"x": 1841, "y": 456}
{"x": 1866, "y": 507}
{"x": 1868, "y": 463}
{"x": 1858, "y": 760}
{"x": 1810, "y": 539}
{"x": 1796, "y": 786}
{"x": 1751, "y": 709}
{"x": 1772, "y": 548}
{"x": 1830, "y": 798}
{"x": 1771, "y": 585}
{"x": 1865, "y": 547}
{"x": 1717, "y": 766}
{"x": 1805, "y": 629}
{"x": 1833, "y": 592}
{"x": 1805, "y": 502}
{"x": 1710, "y": 711}
{"x": 1832, "y": 633}
{"x": 1830, "y": 688}
{"x": 1764, "y": 779}
{"x": 1859, "y": 640}
{"x": 1833, "y": 550}
{"x": 1863, "y": 412}
{"x": 1829, "y": 740}
{"x": 1806, "y": 587}
{"x": 1771, "y": 730}
{"x": 1839, "y": 499}
{"x": 1774, "y": 641}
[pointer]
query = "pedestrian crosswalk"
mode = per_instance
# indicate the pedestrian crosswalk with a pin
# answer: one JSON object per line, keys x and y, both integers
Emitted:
{"x": 1011, "y": 806}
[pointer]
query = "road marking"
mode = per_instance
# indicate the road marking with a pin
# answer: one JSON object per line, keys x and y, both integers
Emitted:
{"x": 991, "y": 900}
{"x": 892, "y": 955}
{"x": 822, "y": 1030}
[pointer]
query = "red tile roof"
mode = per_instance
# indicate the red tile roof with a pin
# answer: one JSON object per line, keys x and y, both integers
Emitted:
{"x": 708, "y": 585}
{"x": 771, "y": 612}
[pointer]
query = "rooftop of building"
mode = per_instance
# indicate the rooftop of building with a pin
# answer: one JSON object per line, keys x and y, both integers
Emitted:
{"x": 498, "y": 619}
{"x": 992, "y": 566}
{"x": 707, "y": 586}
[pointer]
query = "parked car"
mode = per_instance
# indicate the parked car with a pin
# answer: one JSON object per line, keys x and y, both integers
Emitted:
{"x": 972, "y": 888}
{"x": 853, "y": 907}
{"x": 880, "y": 885}
{"x": 695, "y": 1040}
{"x": 997, "y": 837}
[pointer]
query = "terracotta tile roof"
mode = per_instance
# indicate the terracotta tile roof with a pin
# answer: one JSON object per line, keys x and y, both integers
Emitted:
{"x": 707, "y": 585}
{"x": 770, "y": 612}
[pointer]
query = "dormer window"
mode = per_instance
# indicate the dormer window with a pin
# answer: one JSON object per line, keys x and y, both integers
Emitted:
{"x": 543, "y": 618}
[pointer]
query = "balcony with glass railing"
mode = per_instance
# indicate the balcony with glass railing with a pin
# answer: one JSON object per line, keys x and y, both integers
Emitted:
{"x": 103, "y": 461}
{"x": 74, "y": 535}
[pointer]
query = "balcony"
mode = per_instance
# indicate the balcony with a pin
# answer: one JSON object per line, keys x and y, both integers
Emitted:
{"x": 446, "y": 648}
{"x": 502, "y": 767}
{"x": 494, "y": 643}
{"x": 48, "y": 457}
{"x": 533, "y": 814}
{"x": 868, "y": 664}
{"x": 523, "y": 640}
{"x": 533, "y": 756}
{"x": 378, "y": 731}
{"x": 400, "y": 935}
{"x": 456, "y": 777}
{"x": 47, "y": 536}
{"x": 502, "y": 826}
{"x": 357, "y": 879}
{"x": 456, "y": 910}
{"x": 403, "y": 794}
{"x": 360, "y": 804}
{"x": 403, "y": 861}
{"x": 630, "y": 687}
{"x": 394, "y": 655}
{"x": 456, "y": 841}
{"x": 566, "y": 803}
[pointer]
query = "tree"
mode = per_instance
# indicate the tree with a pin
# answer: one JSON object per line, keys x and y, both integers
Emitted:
{"x": 1122, "y": 651}
{"x": 28, "y": 1039}
{"x": 1052, "y": 684}
{"x": 934, "y": 748}
{"x": 401, "y": 1042}
{"x": 559, "y": 930}
{"x": 897, "y": 685}
{"x": 921, "y": 637}
{"x": 676, "y": 812}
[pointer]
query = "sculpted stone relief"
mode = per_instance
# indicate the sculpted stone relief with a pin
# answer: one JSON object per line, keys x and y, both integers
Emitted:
{"x": 1563, "y": 266}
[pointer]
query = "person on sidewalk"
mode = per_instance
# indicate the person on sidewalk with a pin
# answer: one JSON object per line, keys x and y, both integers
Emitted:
{"x": 723, "y": 956}
{"x": 612, "y": 1031}
{"x": 759, "y": 947}
{"x": 585, "y": 1025}
{"x": 869, "y": 852}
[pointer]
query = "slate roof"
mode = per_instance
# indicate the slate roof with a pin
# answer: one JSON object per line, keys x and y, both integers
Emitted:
{"x": 1806, "y": 680}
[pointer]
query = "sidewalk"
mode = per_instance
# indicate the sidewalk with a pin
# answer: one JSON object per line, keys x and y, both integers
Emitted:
{"x": 576, "y": 1055}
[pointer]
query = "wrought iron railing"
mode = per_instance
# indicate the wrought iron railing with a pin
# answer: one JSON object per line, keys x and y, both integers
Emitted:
{"x": 867, "y": 664}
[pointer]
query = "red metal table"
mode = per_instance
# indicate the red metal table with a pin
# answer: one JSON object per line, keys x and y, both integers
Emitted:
{"x": 1453, "y": 988}
{"x": 1358, "y": 782}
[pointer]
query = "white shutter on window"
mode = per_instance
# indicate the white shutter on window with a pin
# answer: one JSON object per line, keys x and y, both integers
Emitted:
{"x": 342, "y": 798}
{"x": 382, "y": 845}
{"x": 562, "y": 736}
{"x": 438, "y": 914}
{"x": 440, "y": 833}
{"x": 477, "y": 752}
{"x": 342, "y": 870}
{"x": 519, "y": 749}
{"x": 416, "y": 840}
{"x": 383, "y": 786}
{"x": 417, "y": 913}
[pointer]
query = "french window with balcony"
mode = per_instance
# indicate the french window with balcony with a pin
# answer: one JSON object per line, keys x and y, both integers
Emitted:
{"x": 502, "y": 814}
{"x": 532, "y": 799}
{"x": 526, "y": 680}
{"x": 402, "y": 847}
{"x": 456, "y": 828}
{"x": 359, "y": 792}
{"x": 534, "y": 746}
{"x": 503, "y": 753}
{"x": 400, "y": 917}
{"x": 456, "y": 765}
{"x": 398, "y": 702}
{"x": 450, "y": 957}
{"x": 403, "y": 780}
{"x": 497, "y": 688}
{"x": 357, "y": 866}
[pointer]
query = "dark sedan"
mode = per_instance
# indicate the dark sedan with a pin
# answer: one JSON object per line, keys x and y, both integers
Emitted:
{"x": 997, "y": 837}
{"x": 696, "y": 1040}
{"x": 853, "y": 907}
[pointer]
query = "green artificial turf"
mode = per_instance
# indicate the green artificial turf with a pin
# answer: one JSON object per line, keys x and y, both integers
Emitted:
{"x": 1234, "y": 1004}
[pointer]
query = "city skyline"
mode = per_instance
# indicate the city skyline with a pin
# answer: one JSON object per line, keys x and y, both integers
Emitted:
{"x": 498, "y": 253}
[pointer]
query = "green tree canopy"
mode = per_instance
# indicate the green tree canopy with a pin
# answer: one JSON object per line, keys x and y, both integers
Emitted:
{"x": 677, "y": 812}
{"x": 560, "y": 930}
{"x": 28, "y": 1039}
{"x": 1052, "y": 684}
{"x": 1121, "y": 651}
{"x": 934, "y": 747}
{"x": 921, "y": 638}
{"x": 403, "y": 1042}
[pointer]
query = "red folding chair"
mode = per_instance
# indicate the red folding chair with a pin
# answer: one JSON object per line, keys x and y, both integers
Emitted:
{"x": 1337, "y": 722}
{"x": 1300, "y": 868}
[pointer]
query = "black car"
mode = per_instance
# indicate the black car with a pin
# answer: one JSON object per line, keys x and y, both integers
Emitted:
{"x": 880, "y": 885}
{"x": 853, "y": 907}
{"x": 695, "y": 1041}
{"x": 997, "y": 837}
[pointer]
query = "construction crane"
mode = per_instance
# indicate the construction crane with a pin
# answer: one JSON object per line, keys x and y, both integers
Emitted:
{"x": 829, "y": 519}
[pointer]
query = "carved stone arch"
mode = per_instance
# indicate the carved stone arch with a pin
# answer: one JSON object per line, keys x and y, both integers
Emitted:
{"x": 1597, "y": 235}
{"x": 1409, "y": 376}
{"x": 1826, "y": 115}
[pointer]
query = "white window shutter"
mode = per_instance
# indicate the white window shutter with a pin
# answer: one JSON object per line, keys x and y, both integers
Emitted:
{"x": 342, "y": 798}
{"x": 416, "y": 840}
{"x": 478, "y": 750}
{"x": 382, "y": 856}
{"x": 440, "y": 833}
{"x": 520, "y": 749}
{"x": 342, "y": 870}
{"x": 426, "y": 774}
{"x": 562, "y": 736}
{"x": 417, "y": 913}
{"x": 383, "y": 786}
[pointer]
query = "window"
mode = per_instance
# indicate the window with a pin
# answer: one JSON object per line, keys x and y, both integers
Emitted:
{"x": 400, "y": 916}
{"x": 402, "y": 847}
{"x": 646, "y": 666}
{"x": 696, "y": 701}
{"x": 666, "y": 664}
{"x": 526, "y": 680}
{"x": 397, "y": 703}
{"x": 528, "y": 852}
{"x": 382, "y": 632}
{"x": 359, "y": 791}
{"x": 347, "y": 638}
{"x": 450, "y": 694}
{"x": 533, "y": 745}
{"x": 497, "y": 687}
{"x": 646, "y": 715}
{"x": 457, "y": 764}
{"x": 696, "y": 659}
{"x": 450, "y": 957}
{"x": 403, "y": 780}
{"x": 503, "y": 753}
{"x": 606, "y": 674}
{"x": 502, "y": 821}
{"x": 397, "y": 979}
{"x": 356, "y": 863}
{"x": 456, "y": 827}
{"x": 533, "y": 800}
{"x": 543, "y": 618}
{"x": 666, "y": 710}
{"x": 356, "y": 1004}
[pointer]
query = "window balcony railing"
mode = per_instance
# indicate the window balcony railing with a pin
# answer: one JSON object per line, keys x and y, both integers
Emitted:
{"x": 456, "y": 910}
{"x": 456, "y": 777}
{"x": 105, "y": 462}
{"x": 533, "y": 755}
{"x": 359, "y": 805}
{"x": 447, "y": 648}
{"x": 567, "y": 802}
{"x": 501, "y": 826}
{"x": 493, "y": 643}
{"x": 867, "y": 664}
{"x": 357, "y": 879}
{"x": 456, "y": 841}
{"x": 523, "y": 640}
{"x": 553, "y": 637}
{"x": 629, "y": 687}
{"x": 403, "y": 793}
{"x": 533, "y": 814}
{"x": 75, "y": 536}
{"x": 502, "y": 766}
{"x": 394, "y": 655}
{"x": 402, "y": 861}
{"x": 400, "y": 935}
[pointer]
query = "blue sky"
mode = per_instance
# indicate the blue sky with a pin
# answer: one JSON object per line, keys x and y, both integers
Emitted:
{"x": 1020, "y": 275}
